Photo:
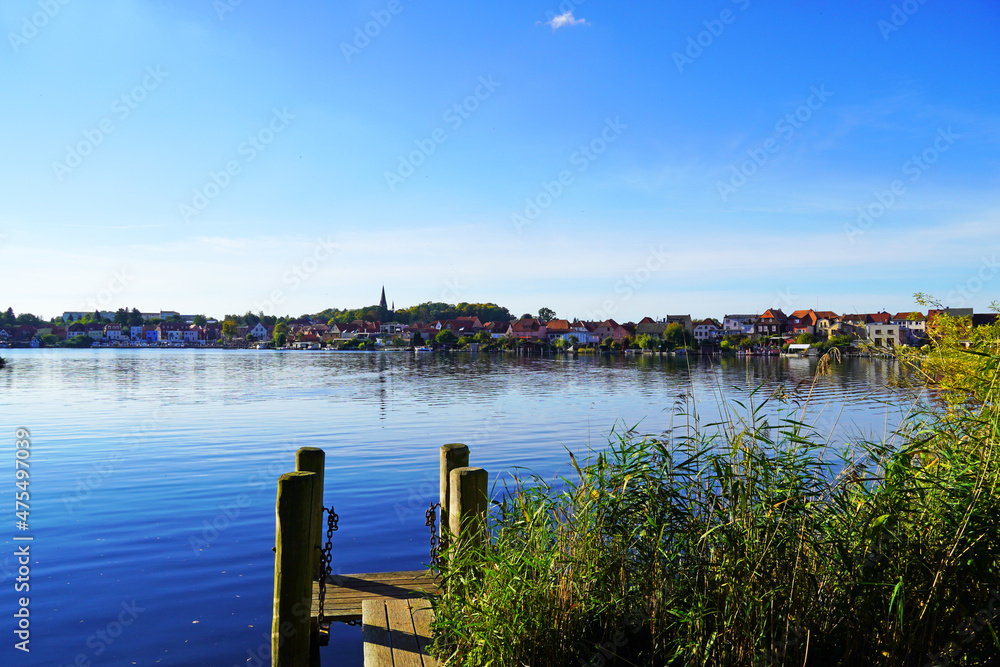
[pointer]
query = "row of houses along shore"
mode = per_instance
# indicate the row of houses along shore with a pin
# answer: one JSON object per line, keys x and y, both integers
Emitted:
{"x": 771, "y": 328}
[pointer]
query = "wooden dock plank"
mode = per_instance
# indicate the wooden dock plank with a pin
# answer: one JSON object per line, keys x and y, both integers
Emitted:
{"x": 391, "y": 634}
{"x": 423, "y": 615}
{"x": 405, "y": 649}
{"x": 375, "y": 633}
{"x": 346, "y": 593}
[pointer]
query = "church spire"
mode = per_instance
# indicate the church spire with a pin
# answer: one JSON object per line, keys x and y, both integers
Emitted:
{"x": 381, "y": 303}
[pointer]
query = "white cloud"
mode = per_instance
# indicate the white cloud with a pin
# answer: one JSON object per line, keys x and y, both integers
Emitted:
{"x": 564, "y": 20}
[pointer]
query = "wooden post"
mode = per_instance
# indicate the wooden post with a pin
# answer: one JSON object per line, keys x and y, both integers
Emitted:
{"x": 293, "y": 569}
{"x": 453, "y": 456}
{"x": 467, "y": 514}
{"x": 313, "y": 459}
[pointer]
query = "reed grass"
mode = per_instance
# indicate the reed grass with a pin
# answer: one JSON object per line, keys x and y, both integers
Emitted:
{"x": 747, "y": 542}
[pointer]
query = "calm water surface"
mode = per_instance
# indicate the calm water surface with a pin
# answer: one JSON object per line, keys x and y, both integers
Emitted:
{"x": 136, "y": 453}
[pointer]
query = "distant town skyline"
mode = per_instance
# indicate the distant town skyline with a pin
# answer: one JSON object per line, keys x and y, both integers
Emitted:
{"x": 594, "y": 158}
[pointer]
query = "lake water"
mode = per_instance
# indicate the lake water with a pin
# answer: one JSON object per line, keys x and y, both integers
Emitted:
{"x": 136, "y": 453}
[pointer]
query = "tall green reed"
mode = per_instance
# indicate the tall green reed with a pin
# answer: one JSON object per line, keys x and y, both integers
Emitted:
{"x": 747, "y": 542}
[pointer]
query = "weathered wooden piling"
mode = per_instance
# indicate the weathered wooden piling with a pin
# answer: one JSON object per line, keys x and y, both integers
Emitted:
{"x": 313, "y": 459}
{"x": 467, "y": 506}
{"x": 454, "y": 455}
{"x": 293, "y": 569}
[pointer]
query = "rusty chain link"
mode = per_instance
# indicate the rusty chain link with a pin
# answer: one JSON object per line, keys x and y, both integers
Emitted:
{"x": 326, "y": 558}
{"x": 437, "y": 545}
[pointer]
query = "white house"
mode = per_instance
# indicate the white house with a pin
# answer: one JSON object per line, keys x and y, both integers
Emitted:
{"x": 259, "y": 331}
{"x": 113, "y": 332}
{"x": 912, "y": 326}
{"x": 707, "y": 330}
{"x": 883, "y": 335}
{"x": 734, "y": 324}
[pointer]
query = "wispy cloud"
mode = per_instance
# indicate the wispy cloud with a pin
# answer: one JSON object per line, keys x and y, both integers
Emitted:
{"x": 564, "y": 20}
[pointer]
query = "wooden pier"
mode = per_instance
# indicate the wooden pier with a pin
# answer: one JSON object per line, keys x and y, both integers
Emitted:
{"x": 392, "y": 607}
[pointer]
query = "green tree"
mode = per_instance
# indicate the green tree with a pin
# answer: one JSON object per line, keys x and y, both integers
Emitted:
{"x": 230, "y": 328}
{"x": 645, "y": 341}
{"x": 546, "y": 314}
{"x": 677, "y": 336}
{"x": 417, "y": 340}
{"x": 805, "y": 339}
{"x": 135, "y": 318}
{"x": 121, "y": 317}
{"x": 483, "y": 338}
{"x": 574, "y": 340}
{"x": 446, "y": 337}
{"x": 200, "y": 320}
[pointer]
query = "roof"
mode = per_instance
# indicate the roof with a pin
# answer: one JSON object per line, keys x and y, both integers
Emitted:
{"x": 826, "y": 314}
{"x": 915, "y": 316}
{"x": 651, "y": 328}
{"x": 530, "y": 324}
{"x": 774, "y": 314}
{"x": 809, "y": 316}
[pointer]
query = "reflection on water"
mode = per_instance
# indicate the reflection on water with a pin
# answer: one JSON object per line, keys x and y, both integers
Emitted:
{"x": 153, "y": 470}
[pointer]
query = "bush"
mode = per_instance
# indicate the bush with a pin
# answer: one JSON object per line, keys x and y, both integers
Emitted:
{"x": 78, "y": 341}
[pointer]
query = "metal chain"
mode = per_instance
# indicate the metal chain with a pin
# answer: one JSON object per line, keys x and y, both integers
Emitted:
{"x": 431, "y": 522}
{"x": 326, "y": 557}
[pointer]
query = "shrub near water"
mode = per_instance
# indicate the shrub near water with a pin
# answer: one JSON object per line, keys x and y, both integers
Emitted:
{"x": 744, "y": 544}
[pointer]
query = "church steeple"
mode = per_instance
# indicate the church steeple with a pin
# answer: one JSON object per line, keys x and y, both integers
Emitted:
{"x": 381, "y": 303}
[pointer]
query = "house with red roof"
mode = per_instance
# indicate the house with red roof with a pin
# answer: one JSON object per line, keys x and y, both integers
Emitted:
{"x": 771, "y": 323}
{"x": 912, "y": 327}
{"x": 707, "y": 330}
{"x": 801, "y": 322}
{"x": 529, "y": 328}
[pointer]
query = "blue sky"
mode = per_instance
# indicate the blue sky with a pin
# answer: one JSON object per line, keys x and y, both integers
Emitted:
{"x": 626, "y": 159}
